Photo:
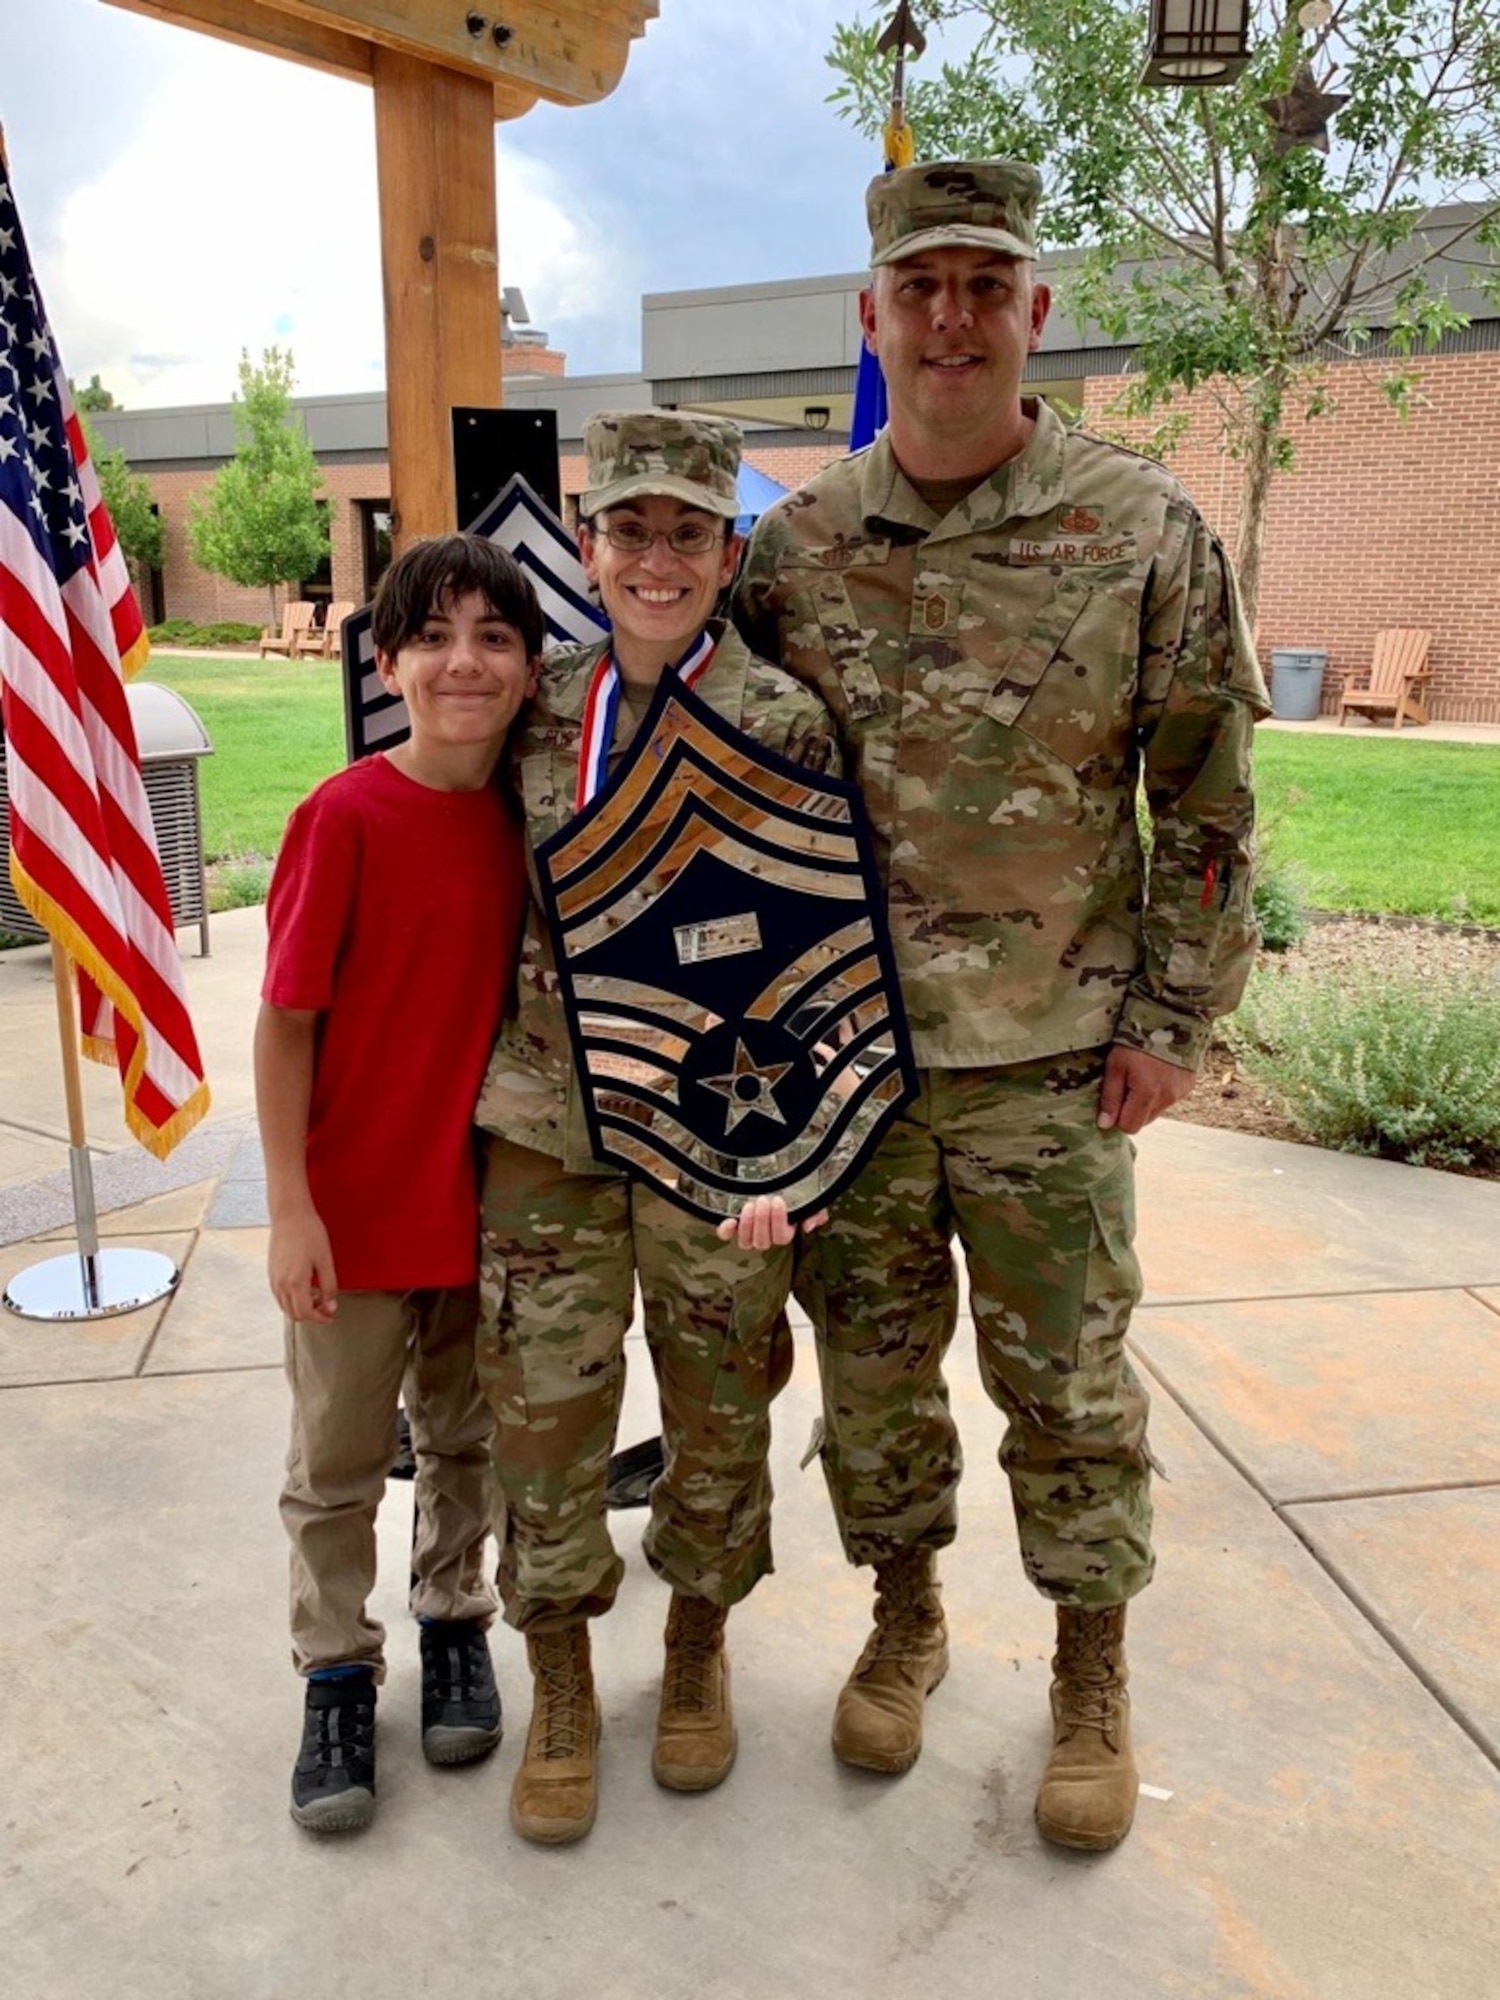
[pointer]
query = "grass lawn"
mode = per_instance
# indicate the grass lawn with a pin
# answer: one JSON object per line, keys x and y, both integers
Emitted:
{"x": 1368, "y": 823}
{"x": 277, "y": 727}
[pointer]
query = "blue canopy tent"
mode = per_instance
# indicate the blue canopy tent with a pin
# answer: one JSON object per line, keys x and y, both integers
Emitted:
{"x": 756, "y": 494}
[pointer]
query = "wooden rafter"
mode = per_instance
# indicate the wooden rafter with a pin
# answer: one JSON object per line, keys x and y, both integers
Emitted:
{"x": 567, "y": 51}
{"x": 441, "y": 77}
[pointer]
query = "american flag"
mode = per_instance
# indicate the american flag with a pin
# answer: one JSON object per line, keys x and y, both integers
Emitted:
{"x": 83, "y": 850}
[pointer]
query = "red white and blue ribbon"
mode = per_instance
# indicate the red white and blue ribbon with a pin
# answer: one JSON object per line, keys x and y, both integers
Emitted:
{"x": 602, "y": 706}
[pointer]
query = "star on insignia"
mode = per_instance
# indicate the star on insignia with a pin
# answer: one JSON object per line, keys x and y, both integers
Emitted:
{"x": 748, "y": 1087}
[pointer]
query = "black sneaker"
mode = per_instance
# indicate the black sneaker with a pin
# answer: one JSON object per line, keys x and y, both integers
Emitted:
{"x": 460, "y": 1703}
{"x": 333, "y": 1784}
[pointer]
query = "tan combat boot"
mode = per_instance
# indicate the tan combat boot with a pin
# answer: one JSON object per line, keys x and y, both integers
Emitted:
{"x": 695, "y": 1735}
{"x": 877, "y": 1725}
{"x": 554, "y": 1795}
{"x": 1088, "y": 1790}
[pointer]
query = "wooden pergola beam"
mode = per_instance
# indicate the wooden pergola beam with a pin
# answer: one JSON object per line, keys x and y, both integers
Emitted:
{"x": 569, "y": 52}
{"x": 440, "y": 272}
{"x": 442, "y": 74}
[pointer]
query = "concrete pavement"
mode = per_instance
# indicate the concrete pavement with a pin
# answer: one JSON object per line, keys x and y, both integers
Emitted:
{"x": 1316, "y": 1675}
{"x": 1411, "y": 732}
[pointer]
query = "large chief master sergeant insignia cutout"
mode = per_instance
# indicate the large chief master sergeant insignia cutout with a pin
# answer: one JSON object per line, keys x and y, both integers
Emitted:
{"x": 721, "y": 943}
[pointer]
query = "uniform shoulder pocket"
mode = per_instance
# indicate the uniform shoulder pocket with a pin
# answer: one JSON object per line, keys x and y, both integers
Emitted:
{"x": 847, "y": 643}
{"x": 546, "y": 782}
{"x": 825, "y": 623}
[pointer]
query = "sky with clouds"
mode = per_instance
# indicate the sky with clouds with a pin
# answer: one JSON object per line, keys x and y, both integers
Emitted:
{"x": 184, "y": 199}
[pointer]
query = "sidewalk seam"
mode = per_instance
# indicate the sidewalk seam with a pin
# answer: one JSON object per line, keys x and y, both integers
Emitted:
{"x": 1390, "y": 1492}
{"x": 1174, "y": 1300}
{"x": 1482, "y": 1742}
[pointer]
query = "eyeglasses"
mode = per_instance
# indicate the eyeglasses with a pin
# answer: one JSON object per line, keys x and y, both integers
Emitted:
{"x": 634, "y": 538}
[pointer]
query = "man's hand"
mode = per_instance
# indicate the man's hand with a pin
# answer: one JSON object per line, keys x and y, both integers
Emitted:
{"x": 762, "y": 1224}
{"x": 1138, "y": 1088}
{"x": 299, "y": 1264}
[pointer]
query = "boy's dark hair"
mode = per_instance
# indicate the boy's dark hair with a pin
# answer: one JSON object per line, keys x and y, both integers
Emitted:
{"x": 433, "y": 573}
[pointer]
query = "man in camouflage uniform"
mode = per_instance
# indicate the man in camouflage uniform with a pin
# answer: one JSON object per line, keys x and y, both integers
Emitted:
{"x": 565, "y": 1238}
{"x": 1012, "y": 622}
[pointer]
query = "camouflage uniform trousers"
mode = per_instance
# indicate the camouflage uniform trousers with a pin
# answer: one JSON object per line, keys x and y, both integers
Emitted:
{"x": 1043, "y": 1205}
{"x": 560, "y": 1254}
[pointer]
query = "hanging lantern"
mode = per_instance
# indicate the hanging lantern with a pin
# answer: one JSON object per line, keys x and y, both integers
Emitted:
{"x": 1196, "y": 42}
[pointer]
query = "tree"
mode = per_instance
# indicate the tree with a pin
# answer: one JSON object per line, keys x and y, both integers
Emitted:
{"x": 127, "y": 495}
{"x": 260, "y": 521}
{"x": 1232, "y": 261}
{"x": 92, "y": 397}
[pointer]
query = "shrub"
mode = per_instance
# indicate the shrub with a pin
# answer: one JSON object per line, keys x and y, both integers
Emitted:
{"x": 1280, "y": 909}
{"x": 185, "y": 632}
{"x": 1408, "y": 1070}
{"x": 236, "y": 882}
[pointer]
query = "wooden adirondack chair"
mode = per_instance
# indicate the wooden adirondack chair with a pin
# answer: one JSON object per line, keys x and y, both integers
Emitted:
{"x": 321, "y": 642}
{"x": 1395, "y": 680}
{"x": 296, "y": 619}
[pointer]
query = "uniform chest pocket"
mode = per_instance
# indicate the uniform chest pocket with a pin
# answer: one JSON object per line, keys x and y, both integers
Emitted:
{"x": 1069, "y": 679}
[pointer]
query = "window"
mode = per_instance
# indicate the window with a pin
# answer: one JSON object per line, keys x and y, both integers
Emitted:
{"x": 375, "y": 541}
{"x": 318, "y": 587}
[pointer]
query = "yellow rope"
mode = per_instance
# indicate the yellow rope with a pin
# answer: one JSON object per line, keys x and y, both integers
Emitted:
{"x": 900, "y": 144}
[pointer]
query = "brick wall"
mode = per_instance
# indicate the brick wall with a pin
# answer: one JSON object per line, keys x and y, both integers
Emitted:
{"x": 521, "y": 361}
{"x": 194, "y": 593}
{"x": 1383, "y": 521}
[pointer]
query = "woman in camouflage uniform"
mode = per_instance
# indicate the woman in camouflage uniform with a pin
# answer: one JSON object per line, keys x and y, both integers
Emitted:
{"x": 565, "y": 1238}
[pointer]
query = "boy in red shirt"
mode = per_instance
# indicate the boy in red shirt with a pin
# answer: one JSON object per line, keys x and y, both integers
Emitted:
{"x": 394, "y": 915}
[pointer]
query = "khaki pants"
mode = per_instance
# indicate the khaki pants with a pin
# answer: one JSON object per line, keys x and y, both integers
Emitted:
{"x": 346, "y": 1381}
{"x": 559, "y": 1258}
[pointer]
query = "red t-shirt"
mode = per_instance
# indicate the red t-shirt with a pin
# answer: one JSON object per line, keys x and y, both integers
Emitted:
{"x": 395, "y": 912}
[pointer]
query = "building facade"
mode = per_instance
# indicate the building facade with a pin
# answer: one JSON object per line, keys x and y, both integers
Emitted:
{"x": 1385, "y": 520}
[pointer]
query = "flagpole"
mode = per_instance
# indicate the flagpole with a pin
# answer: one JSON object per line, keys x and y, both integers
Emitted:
{"x": 85, "y": 1215}
{"x": 904, "y": 37}
{"x": 93, "y": 1283}
{"x": 83, "y": 855}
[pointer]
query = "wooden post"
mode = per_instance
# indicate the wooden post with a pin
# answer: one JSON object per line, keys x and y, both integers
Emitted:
{"x": 435, "y": 162}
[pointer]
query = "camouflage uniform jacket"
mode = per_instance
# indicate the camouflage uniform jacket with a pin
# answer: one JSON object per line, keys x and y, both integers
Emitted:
{"x": 530, "y": 1092}
{"x": 1001, "y": 677}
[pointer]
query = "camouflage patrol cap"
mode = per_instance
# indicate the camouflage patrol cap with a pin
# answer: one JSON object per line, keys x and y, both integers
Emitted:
{"x": 988, "y": 203}
{"x": 691, "y": 458}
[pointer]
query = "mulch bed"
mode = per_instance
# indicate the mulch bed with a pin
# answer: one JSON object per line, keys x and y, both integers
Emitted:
{"x": 1359, "y": 951}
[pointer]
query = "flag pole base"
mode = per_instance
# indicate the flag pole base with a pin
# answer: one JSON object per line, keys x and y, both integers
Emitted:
{"x": 78, "y": 1287}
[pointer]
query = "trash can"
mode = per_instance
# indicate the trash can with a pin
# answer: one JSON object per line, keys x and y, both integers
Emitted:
{"x": 1297, "y": 683}
{"x": 170, "y": 739}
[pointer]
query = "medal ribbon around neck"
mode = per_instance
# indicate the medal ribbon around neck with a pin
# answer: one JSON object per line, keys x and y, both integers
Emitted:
{"x": 603, "y": 704}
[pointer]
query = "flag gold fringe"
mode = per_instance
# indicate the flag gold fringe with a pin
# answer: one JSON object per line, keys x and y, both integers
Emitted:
{"x": 135, "y": 656}
{"x": 55, "y": 921}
